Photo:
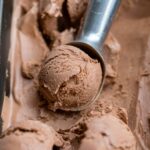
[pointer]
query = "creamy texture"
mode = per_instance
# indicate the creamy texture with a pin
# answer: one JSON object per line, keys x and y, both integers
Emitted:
{"x": 49, "y": 12}
{"x": 69, "y": 78}
{"x": 29, "y": 135}
{"x": 76, "y": 9}
{"x": 103, "y": 119}
{"x": 107, "y": 132}
{"x": 126, "y": 52}
{"x": 32, "y": 45}
{"x": 143, "y": 111}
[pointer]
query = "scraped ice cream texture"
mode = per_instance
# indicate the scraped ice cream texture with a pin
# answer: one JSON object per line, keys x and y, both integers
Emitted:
{"x": 107, "y": 133}
{"x": 29, "y": 135}
{"x": 38, "y": 33}
{"x": 69, "y": 78}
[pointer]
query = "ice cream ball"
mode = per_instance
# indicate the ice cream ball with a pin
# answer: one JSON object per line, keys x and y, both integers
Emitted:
{"x": 69, "y": 78}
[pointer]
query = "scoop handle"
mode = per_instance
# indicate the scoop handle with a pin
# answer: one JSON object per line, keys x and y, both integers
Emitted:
{"x": 98, "y": 20}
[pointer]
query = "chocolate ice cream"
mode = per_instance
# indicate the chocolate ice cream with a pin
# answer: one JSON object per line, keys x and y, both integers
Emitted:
{"x": 76, "y": 9}
{"x": 107, "y": 133}
{"x": 38, "y": 28}
{"x": 49, "y": 13}
{"x": 29, "y": 135}
{"x": 69, "y": 78}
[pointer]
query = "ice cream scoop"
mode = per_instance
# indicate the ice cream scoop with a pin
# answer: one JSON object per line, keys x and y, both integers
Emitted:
{"x": 69, "y": 78}
{"x": 72, "y": 76}
{"x": 92, "y": 34}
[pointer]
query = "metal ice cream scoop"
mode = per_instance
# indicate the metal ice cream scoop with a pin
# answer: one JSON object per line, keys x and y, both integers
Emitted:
{"x": 90, "y": 39}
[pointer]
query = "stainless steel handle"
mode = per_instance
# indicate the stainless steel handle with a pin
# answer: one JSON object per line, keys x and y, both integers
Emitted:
{"x": 97, "y": 22}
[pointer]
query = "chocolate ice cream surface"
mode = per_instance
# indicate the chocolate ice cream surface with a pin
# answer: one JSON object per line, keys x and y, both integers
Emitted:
{"x": 107, "y": 133}
{"x": 34, "y": 34}
{"x": 29, "y": 135}
{"x": 69, "y": 78}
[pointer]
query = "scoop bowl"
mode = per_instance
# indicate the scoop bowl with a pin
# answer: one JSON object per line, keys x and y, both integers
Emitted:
{"x": 92, "y": 34}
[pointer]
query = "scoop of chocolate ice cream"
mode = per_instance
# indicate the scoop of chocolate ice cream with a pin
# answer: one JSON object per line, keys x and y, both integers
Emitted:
{"x": 107, "y": 133}
{"x": 29, "y": 135}
{"x": 69, "y": 78}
